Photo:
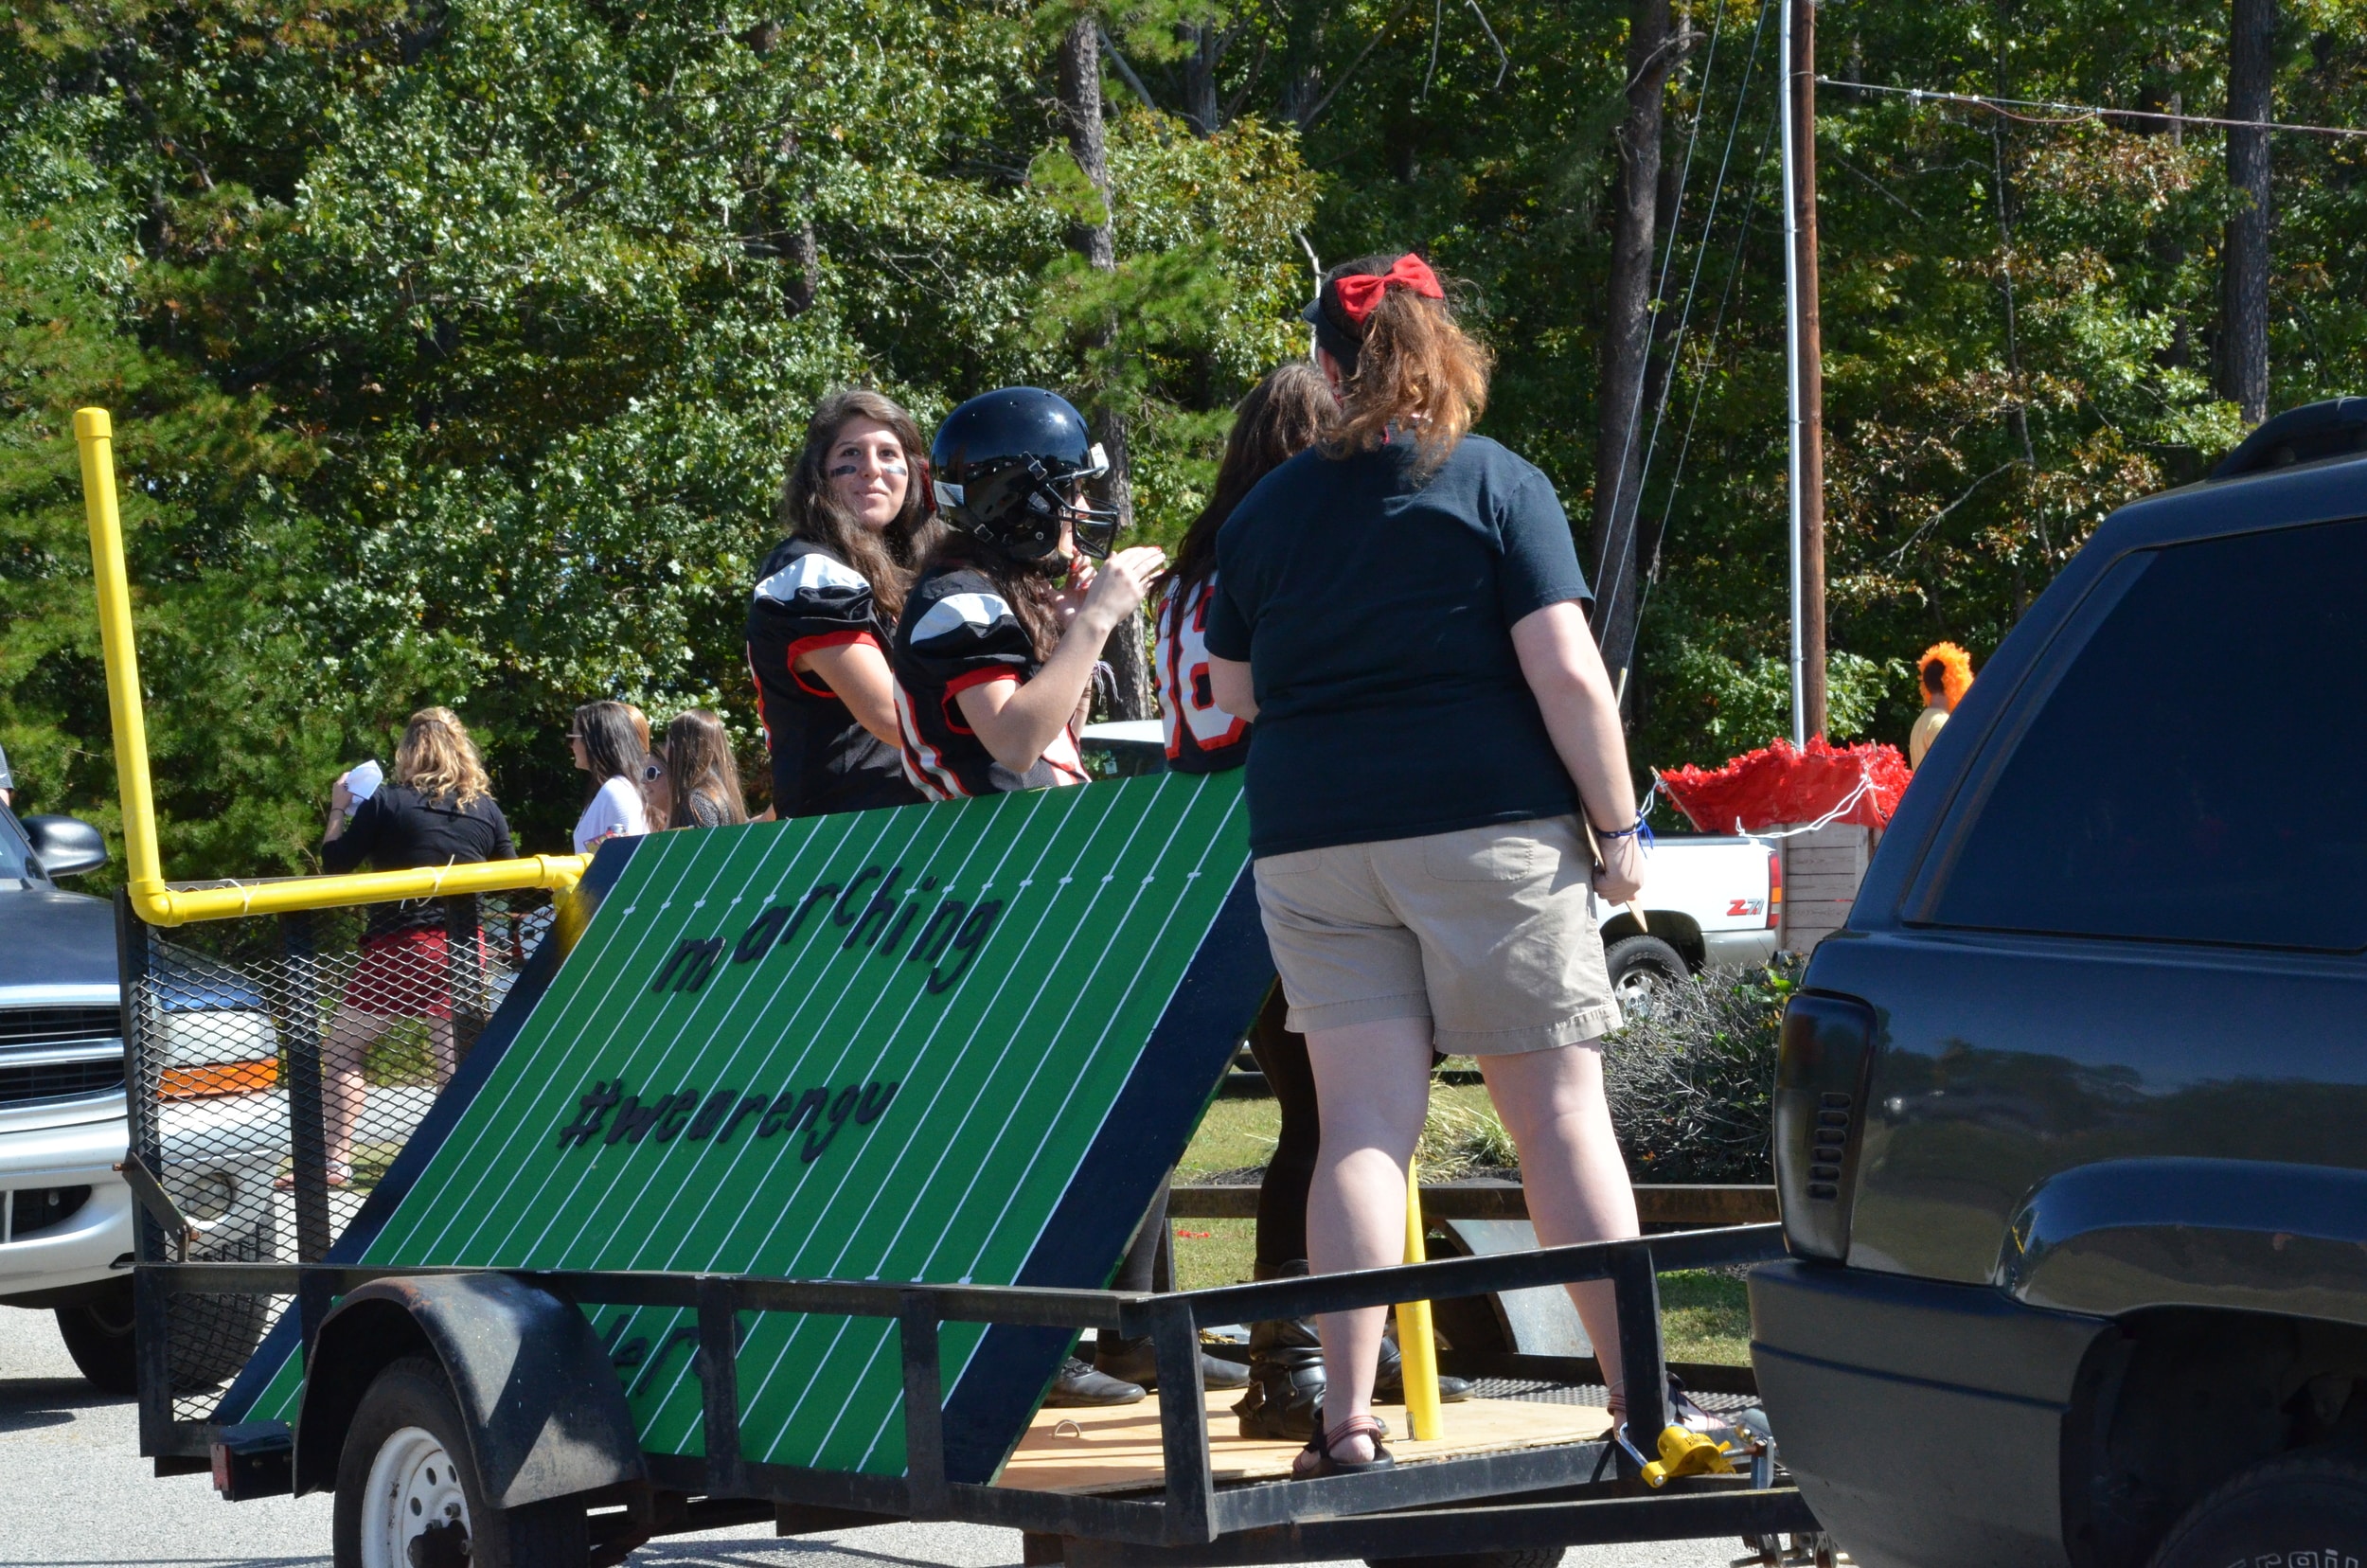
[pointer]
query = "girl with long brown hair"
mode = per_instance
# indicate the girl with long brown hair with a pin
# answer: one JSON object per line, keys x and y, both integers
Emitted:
{"x": 704, "y": 779}
{"x": 859, "y": 513}
{"x": 1401, "y": 612}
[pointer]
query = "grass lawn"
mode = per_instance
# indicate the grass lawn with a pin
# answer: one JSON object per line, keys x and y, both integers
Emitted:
{"x": 1704, "y": 1313}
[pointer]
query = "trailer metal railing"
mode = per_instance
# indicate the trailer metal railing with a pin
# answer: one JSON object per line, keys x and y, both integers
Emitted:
{"x": 1563, "y": 1496}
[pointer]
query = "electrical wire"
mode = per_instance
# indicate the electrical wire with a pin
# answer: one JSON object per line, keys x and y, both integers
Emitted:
{"x": 1619, "y": 542}
{"x": 2085, "y": 113}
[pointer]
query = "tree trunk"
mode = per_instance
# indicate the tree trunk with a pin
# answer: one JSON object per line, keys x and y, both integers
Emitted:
{"x": 2244, "y": 276}
{"x": 1620, "y": 401}
{"x": 1199, "y": 76}
{"x": 1080, "y": 121}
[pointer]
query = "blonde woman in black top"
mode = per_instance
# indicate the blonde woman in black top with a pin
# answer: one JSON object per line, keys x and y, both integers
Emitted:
{"x": 437, "y": 809}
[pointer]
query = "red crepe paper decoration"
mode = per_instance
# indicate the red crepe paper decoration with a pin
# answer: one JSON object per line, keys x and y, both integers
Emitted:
{"x": 1779, "y": 787}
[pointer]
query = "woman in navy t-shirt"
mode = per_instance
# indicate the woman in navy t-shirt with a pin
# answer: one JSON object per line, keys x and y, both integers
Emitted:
{"x": 1401, "y": 610}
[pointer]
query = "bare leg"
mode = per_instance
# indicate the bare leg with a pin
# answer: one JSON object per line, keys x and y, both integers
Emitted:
{"x": 1552, "y": 1103}
{"x": 352, "y": 1033}
{"x": 1371, "y": 1086}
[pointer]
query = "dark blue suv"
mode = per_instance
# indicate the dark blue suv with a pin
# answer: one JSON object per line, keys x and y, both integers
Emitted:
{"x": 2071, "y": 1121}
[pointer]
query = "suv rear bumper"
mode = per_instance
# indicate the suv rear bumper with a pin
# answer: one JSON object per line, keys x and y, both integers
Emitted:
{"x": 1924, "y": 1421}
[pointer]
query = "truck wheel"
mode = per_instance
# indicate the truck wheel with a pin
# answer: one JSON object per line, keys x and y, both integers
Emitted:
{"x": 212, "y": 1337}
{"x": 408, "y": 1495}
{"x": 1643, "y": 970}
{"x": 1536, "y": 1556}
{"x": 2298, "y": 1507}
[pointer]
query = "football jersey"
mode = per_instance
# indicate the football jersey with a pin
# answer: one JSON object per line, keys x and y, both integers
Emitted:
{"x": 958, "y": 632}
{"x": 1201, "y": 737}
{"x": 823, "y": 760}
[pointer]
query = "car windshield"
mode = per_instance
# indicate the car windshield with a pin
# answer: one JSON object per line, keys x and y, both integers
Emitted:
{"x": 12, "y": 847}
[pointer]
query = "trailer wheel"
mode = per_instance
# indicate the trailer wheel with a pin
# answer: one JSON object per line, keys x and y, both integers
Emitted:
{"x": 408, "y": 1495}
{"x": 2281, "y": 1510}
{"x": 1533, "y": 1556}
{"x": 211, "y": 1338}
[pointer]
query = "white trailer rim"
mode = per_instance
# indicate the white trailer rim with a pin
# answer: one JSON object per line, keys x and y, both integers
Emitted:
{"x": 414, "y": 1485}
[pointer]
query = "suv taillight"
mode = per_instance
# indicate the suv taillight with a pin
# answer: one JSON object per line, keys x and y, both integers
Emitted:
{"x": 1774, "y": 889}
{"x": 1820, "y": 1115}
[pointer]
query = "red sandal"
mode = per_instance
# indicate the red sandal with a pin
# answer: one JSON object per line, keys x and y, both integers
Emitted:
{"x": 1317, "y": 1458}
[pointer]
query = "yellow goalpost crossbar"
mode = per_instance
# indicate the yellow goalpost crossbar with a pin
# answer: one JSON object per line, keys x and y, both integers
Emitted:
{"x": 155, "y": 901}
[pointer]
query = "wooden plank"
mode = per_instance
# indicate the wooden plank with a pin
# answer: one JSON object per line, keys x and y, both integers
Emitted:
{"x": 1115, "y": 1448}
{"x": 1666, "y": 1203}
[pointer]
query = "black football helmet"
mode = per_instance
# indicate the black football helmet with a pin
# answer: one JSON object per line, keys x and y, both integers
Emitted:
{"x": 1008, "y": 467}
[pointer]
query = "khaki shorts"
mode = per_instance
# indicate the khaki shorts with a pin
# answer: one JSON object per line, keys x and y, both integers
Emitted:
{"x": 1485, "y": 932}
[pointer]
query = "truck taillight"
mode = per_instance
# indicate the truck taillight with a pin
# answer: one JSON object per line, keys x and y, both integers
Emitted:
{"x": 1774, "y": 889}
{"x": 1821, "y": 1074}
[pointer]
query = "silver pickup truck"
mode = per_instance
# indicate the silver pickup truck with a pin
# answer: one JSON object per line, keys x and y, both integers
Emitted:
{"x": 65, "y": 1213}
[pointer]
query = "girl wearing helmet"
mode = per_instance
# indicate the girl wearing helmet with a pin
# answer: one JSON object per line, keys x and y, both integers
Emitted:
{"x": 859, "y": 520}
{"x": 993, "y": 657}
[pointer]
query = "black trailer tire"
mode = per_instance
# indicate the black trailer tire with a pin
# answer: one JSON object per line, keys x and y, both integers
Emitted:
{"x": 1533, "y": 1556}
{"x": 408, "y": 1495}
{"x": 98, "y": 1335}
{"x": 2280, "y": 1510}
{"x": 212, "y": 1337}
{"x": 1642, "y": 969}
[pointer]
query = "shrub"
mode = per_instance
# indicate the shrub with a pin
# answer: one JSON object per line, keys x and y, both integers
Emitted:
{"x": 1691, "y": 1089}
{"x": 1692, "y": 1084}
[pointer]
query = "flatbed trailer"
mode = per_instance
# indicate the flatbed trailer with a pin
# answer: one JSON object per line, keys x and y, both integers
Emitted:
{"x": 1519, "y": 1498}
{"x": 952, "y": 1048}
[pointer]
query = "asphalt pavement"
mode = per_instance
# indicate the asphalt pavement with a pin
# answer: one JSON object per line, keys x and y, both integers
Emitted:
{"x": 79, "y": 1495}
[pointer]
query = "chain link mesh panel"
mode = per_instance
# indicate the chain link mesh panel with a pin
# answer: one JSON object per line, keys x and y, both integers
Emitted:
{"x": 277, "y": 1066}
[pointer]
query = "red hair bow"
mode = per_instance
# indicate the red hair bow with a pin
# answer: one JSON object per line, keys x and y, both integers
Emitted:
{"x": 1359, "y": 295}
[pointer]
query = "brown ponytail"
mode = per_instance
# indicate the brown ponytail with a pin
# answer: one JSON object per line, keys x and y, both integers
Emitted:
{"x": 1415, "y": 370}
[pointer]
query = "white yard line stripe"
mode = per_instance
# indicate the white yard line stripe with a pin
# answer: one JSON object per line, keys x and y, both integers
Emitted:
{"x": 994, "y": 1143}
{"x": 852, "y": 1040}
{"x": 1152, "y": 950}
{"x": 945, "y": 1078}
{"x": 686, "y": 1036}
{"x": 523, "y": 1053}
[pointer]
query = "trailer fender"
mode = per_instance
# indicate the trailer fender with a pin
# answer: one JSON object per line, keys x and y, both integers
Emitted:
{"x": 546, "y": 1419}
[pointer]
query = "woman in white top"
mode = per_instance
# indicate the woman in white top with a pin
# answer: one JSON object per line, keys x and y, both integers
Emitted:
{"x": 607, "y": 747}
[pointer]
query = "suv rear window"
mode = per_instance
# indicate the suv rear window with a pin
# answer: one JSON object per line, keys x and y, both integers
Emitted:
{"x": 2199, "y": 773}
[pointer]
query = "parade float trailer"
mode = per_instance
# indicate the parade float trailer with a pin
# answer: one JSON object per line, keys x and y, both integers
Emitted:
{"x": 766, "y": 1174}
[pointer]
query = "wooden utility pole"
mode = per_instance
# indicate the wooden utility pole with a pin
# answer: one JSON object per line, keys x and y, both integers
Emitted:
{"x": 2243, "y": 357}
{"x": 1808, "y": 374}
{"x": 1621, "y": 392}
{"x": 1080, "y": 117}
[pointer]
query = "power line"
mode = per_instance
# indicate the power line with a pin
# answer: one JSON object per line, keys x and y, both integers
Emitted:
{"x": 2076, "y": 113}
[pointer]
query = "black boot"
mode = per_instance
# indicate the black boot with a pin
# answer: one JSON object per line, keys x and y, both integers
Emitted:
{"x": 1135, "y": 1361}
{"x": 1286, "y": 1373}
{"x": 1080, "y": 1385}
{"x": 1389, "y": 1379}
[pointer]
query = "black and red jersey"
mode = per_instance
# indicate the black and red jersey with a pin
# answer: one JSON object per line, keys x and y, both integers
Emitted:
{"x": 958, "y": 632}
{"x": 823, "y": 760}
{"x": 1201, "y": 737}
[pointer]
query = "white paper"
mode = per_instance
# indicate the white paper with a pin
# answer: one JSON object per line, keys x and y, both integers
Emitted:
{"x": 362, "y": 782}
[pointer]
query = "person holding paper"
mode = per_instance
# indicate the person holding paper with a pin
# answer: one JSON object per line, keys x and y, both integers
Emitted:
{"x": 437, "y": 809}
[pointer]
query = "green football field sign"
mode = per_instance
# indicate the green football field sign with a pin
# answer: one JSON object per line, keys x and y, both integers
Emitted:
{"x": 958, "y": 1043}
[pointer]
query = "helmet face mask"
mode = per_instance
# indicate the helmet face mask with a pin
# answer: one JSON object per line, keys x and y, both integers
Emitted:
{"x": 1010, "y": 469}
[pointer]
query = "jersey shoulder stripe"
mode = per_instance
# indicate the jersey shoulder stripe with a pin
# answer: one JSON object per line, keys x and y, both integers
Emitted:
{"x": 812, "y": 575}
{"x": 959, "y": 613}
